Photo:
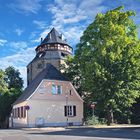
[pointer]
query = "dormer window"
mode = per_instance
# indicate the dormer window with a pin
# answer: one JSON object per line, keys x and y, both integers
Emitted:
{"x": 40, "y": 55}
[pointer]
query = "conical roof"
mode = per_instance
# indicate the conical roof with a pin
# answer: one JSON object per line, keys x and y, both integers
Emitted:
{"x": 53, "y": 37}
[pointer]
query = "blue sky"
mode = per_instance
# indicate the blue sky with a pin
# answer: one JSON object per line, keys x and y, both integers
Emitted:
{"x": 24, "y": 22}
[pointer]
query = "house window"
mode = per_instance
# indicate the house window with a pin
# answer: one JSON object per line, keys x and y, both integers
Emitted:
{"x": 70, "y": 111}
{"x": 19, "y": 112}
{"x": 59, "y": 90}
{"x": 56, "y": 89}
{"x": 70, "y": 92}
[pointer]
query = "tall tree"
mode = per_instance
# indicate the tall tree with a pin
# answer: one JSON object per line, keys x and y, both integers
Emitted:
{"x": 3, "y": 85}
{"x": 108, "y": 57}
{"x": 10, "y": 88}
{"x": 3, "y": 93}
{"x": 13, "y": 79}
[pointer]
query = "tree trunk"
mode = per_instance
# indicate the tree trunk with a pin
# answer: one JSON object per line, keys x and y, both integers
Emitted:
{"x": 4, "y": 123}
{"x": 110, "y": 117}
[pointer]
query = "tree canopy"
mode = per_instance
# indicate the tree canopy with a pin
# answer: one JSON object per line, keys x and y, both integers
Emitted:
{"x": 13, "y": 78}
{"x": 11, "y": 85}
{"x": 107, "y": 63}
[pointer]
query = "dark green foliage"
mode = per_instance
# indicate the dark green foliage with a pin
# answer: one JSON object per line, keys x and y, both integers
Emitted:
{"x": 10, "y": 88}
{"x": 13, "y": 78}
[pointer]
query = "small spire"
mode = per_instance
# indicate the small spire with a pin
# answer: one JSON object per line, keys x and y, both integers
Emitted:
{"x": 60, "y": 36}
{"x": 41, "y": 39}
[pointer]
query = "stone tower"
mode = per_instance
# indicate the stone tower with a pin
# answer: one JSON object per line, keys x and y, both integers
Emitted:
{"x": 53, "y": 49}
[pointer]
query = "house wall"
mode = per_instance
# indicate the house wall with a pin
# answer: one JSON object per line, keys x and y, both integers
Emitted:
{"x": 19, "y": 122}
{"x": 52, "y": 113}
{"x": 46, "y": 109}
{"x": 44, "y": 91}
{"x": 50, "y": 107}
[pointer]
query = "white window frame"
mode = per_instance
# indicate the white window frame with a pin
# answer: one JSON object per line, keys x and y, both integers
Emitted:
{"x": 70, "y": 111}
{"x": 56, "y": 89}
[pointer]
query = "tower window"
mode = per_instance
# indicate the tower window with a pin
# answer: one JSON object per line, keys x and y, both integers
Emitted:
{"x": 27, "y": 70}
{"x": 39, "y": 66}
{"x": 63, "y": 54}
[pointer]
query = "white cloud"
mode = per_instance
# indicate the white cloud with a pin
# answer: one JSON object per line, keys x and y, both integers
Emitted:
{"x": 19, "y": 61}
{"x": 21, "y": 45}
{"x": 73, "y": 34}
{"x": 67, "y": 12}
{"x": 42, "y": 35}
{"x": 26, "y": 6}
{"x": 40, "y": 24}
{"x": 71, "y": 17}
{"x": 2, "y": 42}
{"x": 19, "y": 31}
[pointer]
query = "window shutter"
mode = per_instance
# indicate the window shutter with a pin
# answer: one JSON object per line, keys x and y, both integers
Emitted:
{"x": 13, "y": 113}
{"x": 22, "y": 112}
{"x": 18, "y": 112}
{"x": 65, "y": 110}
{"x": 59, "y": 90}
{"x": 74, "y": 110}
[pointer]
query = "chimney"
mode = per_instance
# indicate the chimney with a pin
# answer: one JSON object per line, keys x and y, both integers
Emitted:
{"x": 41, "y": 39}
{"x": 49, "y": 35}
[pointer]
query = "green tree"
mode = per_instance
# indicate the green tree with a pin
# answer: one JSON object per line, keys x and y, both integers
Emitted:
{"x": 13, "y": 79}
{"x": 10, "y": 88}
{"x": 3, "y": 85}
{"x": 108, "y": 58}
{"x": 3, "y": 92}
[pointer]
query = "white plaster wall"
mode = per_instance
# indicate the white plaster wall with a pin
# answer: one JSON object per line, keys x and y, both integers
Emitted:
{"x": 44, "y": 91}
{"x": 43, "y": 104}
{"x": 52, "y": 112}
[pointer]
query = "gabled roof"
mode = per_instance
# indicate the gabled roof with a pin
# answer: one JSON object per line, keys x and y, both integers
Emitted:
{"x": 49, "y": 73}
{"x": 53, "y": 37}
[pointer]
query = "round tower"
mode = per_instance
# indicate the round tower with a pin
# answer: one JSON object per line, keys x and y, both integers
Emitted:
{"x": 53, "y": 49}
